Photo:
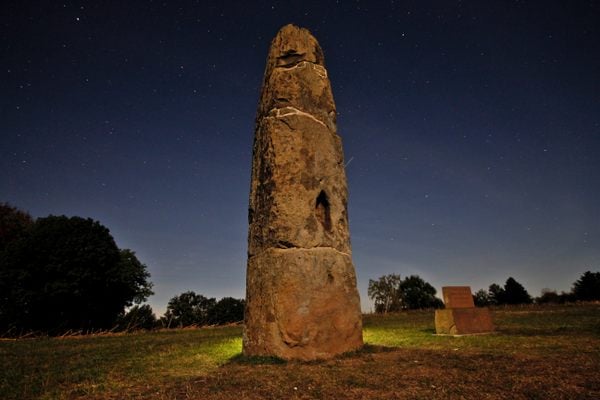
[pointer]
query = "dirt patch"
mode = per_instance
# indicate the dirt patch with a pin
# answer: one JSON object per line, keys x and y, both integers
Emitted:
{"x": 402, "y": 374}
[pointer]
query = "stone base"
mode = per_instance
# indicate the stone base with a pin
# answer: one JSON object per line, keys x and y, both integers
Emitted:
{"x": 301, "y": 304}
{"x": 463, "y": 321}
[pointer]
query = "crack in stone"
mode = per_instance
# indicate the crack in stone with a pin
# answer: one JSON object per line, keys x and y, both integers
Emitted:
{"x": 290, "y": 246}
{"x": 289, "y": 110}
{"x": 319, "y": 69}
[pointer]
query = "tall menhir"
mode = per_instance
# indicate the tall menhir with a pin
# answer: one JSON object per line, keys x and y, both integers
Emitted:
{"x": 301, "y": 296}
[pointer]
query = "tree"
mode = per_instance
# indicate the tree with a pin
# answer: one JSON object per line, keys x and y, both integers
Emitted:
{"x": 189, "y": 309}
{"x": 587, "y": 287}
{"x": 13, "y": 224}
{"x": 515, "y": 293}
{"x": 548, "y": 297}
{"x": 418, "y": 294}
{"x": 130, "y": 279}
{"x": 227, "y": 310}
{"x": 67, "y": 274}
{"x": 482, "y": 298}
{"x": 386, "y": 293}
{"x": 138, "y": 317}
{"x": 496, "y": 295}
{"x": 392, "y": 294}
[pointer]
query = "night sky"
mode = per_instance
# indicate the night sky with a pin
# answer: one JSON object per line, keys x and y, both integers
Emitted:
{"x": 471, "y": 132}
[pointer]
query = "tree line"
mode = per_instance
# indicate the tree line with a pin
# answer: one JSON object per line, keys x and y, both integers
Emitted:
{"x": 586, "y": 288}
{"x": 61, "y": 274}
{"x": 391, "y": 293}
{"x": 184, "y": 310}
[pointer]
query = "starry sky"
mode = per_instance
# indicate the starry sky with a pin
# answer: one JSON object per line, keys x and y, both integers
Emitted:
{"x": 471, "y": 131}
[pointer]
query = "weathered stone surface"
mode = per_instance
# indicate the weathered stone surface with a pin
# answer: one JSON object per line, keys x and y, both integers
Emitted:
{"x": 298, "y": 160}
{"x": 458, "y": 297}
{"x": 302, "y": 300}
{"x": 463, "y": 321}
{"x": 460, "y": 317}
{"x": 303, "y": 305}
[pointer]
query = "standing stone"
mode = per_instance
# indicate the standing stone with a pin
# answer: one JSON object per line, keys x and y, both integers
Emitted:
{"x": 301, "y": 296}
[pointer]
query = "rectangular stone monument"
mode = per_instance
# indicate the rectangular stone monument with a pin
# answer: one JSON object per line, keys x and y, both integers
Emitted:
{"x": 457, "y": 297}
{"x": 460, "y": 317}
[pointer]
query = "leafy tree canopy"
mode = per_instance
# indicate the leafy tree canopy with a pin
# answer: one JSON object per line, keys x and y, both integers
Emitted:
{"x": 482, "y": 298}
{"x": 13, "y": 224}
{"x": 417, "y": 294}
{"x": 391, "y": 293}
{"x": 496, "y": 294}
{"x": 189, "y": 309}
{"x": 67, "y": 273}
{"x": 227, "y": 310}
{"x": 515, "y": 293}
{"x": 386, "y": 293}
{"x": 587, "y": 287}
{"x": 137, "y": 317}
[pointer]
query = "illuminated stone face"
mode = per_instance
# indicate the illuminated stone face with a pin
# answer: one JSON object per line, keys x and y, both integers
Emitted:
{"x": 460, "y": 317}
{"x": 301, "y": 299}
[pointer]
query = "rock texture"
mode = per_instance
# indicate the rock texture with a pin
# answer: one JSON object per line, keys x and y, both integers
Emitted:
{"x": 301, "y": 296}
{"x": 460, "y": 317}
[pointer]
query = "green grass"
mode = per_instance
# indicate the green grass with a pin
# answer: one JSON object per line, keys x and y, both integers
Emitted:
{"x": 55, "y": 368}
{"x": 519, "y": 329}
{"x": 542, "y": 341}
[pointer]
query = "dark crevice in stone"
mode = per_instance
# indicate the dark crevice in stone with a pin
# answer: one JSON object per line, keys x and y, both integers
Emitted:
{"x": 289, "y": 59}
{"x": 282, "y": 244}
{"x": 323, "y": 211}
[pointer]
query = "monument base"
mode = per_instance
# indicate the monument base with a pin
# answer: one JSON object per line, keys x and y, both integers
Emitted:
{"x": 304, "y": 304}
{"x": 463, "y": 321}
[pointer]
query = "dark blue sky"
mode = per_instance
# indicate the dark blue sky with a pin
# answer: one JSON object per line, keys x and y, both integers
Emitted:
{"x": 471, "y": 131}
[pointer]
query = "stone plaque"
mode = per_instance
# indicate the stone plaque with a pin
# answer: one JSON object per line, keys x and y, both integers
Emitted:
{"x": 458, "y": 297}
{"x": 461, "y": 317}
{"x": 463, "y": 321}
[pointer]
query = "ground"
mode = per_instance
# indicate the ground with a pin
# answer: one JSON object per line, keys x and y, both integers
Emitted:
{"x": 550, "y": 352}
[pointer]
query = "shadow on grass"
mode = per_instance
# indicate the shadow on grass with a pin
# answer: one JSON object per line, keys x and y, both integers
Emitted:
{"x": 549, "y": 332}
{"x": 255, "y": 360}
{"x": 367, "y": 348}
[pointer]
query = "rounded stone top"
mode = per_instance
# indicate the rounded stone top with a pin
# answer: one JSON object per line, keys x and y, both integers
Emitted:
{"x": 293, "y": 45}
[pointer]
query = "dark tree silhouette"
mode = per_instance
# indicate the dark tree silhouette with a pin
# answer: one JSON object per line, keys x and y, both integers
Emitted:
{"x": 482, "y": 298}
{"x": 393, "y": 294}
{"x": 587, "y": 287}
{"x": 189, "y": 309}
{"x": 418, "y": 294}
{"x": 138, "y": 317}
{"x": 515, "y": 293}
{"x": 497, "y": 296}
{"x": 67, "y": 273}
{"x": 13, "y": 224}
{"x": 227, "y": 310}
{"x": 548, "y": 297}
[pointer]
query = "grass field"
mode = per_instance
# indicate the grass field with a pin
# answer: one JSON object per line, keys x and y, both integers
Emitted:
{"x": 537, "y": 353}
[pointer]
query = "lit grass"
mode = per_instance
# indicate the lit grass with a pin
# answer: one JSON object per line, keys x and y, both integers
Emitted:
{"x": 519, "y": 330}
{"x": 87, "y": 365}
{"x": 532, "y": 346}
